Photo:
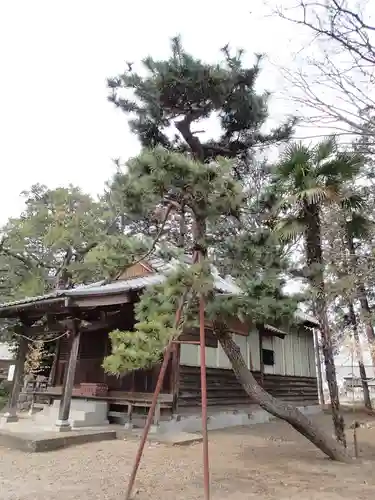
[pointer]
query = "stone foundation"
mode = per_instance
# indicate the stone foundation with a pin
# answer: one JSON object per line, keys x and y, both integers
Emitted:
{"x": 83, "y": 413}
{"x": 225, "y": 419}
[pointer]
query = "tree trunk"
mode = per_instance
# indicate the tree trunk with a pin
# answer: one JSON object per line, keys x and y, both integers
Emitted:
{"x": 359, "y": 357}
{"x": 362, "y": 296}
{"x": 315, "y": 265}
{"x": 366, "y": 313}
{"x": 367, "y": 317}
{"x": 279, "y": 409}
{"x": 319, "y": 367}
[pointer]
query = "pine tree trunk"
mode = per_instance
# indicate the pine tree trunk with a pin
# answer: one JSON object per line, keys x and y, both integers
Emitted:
{"x": 279, "y": 409}
{"x": 359, "y": 357}
{"x": 362, "y": 296}
{"x": 315, "y": 265}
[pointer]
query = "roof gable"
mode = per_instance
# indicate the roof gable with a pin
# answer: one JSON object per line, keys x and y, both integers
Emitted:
{"x": 137, "y": 270}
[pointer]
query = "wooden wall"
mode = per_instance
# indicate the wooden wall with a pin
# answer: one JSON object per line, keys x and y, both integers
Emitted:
{"x": 294, "y": 355}
{"x": 224, "y": 390}
{"x": 94, "y": 347}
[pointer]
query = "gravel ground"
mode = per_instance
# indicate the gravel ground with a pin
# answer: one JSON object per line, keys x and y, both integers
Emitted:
{"x": 268, "y": 461}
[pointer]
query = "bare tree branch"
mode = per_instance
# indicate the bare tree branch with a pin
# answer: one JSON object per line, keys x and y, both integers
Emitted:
{"x": 334, "y": 88}
{"x": 334, "y": 20}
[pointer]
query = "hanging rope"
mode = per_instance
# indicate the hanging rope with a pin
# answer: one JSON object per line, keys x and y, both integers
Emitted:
{"x": 67, "y": 333}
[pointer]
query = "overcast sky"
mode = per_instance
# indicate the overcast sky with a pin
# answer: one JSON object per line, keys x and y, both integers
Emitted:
{"x": 55, "y": 122}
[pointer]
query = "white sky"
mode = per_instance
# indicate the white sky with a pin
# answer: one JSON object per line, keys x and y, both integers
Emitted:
{"x": 56, "y": 125}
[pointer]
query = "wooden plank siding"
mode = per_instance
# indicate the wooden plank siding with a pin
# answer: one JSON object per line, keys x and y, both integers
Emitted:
{"x": 223, "y": 389}
{"x": 293, "y": 355}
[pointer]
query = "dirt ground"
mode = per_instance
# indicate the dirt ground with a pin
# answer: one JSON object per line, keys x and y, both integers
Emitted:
{"x": 266, "y": 461}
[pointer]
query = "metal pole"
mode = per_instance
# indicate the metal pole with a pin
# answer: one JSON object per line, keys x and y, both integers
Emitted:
{"x": 159, "y": 384}
{"x": 202, "y": 336}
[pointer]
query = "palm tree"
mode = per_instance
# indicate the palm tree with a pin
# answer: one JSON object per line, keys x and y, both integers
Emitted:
{"x": 307, "y": 178}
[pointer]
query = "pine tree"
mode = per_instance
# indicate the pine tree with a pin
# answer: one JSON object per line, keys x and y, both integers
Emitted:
{"x": 192, "y": 177}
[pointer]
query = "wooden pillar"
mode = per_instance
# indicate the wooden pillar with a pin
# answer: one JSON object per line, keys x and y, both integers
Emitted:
{"x": 11, "y": 412}
{"x": 261, "y": 362}
{"x": 66, "y": 398}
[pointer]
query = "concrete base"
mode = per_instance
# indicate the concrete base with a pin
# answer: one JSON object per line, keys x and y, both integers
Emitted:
{"x": 27, "y": 435}
{"x": 34, "y": 443}
{"x": 224, "y": 419}
{"x": 83, "y": 413}
{"x": 62, "y": 426}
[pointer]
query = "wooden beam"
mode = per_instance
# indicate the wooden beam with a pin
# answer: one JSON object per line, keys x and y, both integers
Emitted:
{"x": 64, "y": 409}
{"x": 103, "y": 300}
{"x": 61, "y": 326}
{"x": 11, "y": 412}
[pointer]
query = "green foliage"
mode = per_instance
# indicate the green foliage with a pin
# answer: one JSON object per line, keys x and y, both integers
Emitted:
{"x": 109, "y": 257}
{"x": 209, "y": 193}
{"x": 260, "y": 267}
{"x": 54, "y": 233}
{"x": 186, "y": 87}
{"x": 156, "y": 318}
{"x": 308, "y": 177}
{"x": 160, "y": 176}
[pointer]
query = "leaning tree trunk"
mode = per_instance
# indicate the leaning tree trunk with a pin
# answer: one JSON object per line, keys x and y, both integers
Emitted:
{"x": 278, "y": 408}
{"x": 315, "y": 265}
{"x": 359, "y": 357}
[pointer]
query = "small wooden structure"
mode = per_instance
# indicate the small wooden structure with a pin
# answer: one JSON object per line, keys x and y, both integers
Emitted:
{"x": 284, "y": 362}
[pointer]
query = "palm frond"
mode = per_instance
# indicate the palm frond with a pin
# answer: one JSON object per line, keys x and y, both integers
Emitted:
{"x": 317, "y": 194}
{"x": 358, "y": 226}
{"x": 296, "y": 156}
{"x": 352, "y": 202}
{"x": 344, "y": 167}
{"x": 324, "y": 149}
{"x": 289, "y": 229}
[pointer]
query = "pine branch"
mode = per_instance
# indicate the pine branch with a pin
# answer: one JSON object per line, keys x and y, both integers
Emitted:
{"x": 153, "y": 245}
{"x": 25, "y": 260}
